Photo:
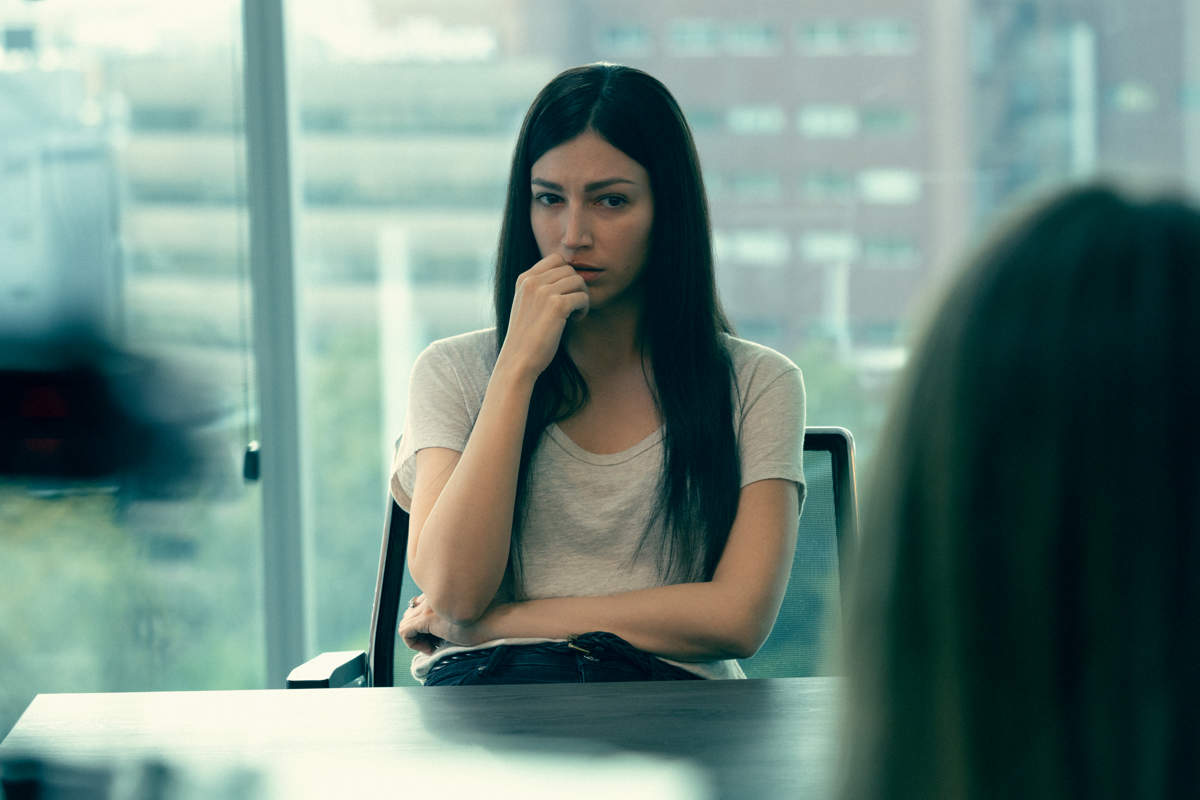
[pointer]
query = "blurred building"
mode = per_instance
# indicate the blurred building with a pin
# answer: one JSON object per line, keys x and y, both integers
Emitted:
{"x": 847, "y": 152}
{"x": 832, "y": 144}
{"x": 1064, "y": 87}
{"x": 59, "y": 260}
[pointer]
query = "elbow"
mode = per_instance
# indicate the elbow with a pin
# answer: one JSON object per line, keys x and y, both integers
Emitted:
{"x": 462, "y": 614}
{"x": 721, "y": 646}
{"x": 742, "y": 646}
{"x": 454, "y": 599}
{"x": 741, "y": 636}
{"x": 457, "y": 605}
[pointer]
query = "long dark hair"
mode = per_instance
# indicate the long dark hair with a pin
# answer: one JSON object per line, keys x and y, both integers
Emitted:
{"x": 681, "y": 322}
{"x": 1025, "y": 613}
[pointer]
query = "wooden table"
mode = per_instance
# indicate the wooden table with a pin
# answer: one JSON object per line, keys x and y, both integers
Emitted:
{"x": 751, "y": 739}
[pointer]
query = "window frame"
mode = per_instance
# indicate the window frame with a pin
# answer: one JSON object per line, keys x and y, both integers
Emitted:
{"x": 272, "y": 202}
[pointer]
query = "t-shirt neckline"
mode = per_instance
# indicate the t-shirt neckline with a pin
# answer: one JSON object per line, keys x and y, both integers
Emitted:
{"x": 602, "y": 459}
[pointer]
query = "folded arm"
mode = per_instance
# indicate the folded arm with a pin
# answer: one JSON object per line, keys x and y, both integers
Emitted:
{"x": 460, "y": 524}
{"x": 727, "y": 617}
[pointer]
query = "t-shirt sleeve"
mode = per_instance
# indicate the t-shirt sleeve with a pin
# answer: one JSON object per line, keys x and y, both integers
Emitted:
{"x": 771, "y": 438}
{"x": 438, "y": 415}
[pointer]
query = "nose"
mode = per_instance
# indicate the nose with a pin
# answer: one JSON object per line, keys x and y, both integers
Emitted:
{"x": 577, "y": 232}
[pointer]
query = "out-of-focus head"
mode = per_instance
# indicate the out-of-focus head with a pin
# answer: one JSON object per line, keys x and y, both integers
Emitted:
{"x": 80, "y": 413}
{"x": 636, "y": 114}
{"x": 1026, "y": 603}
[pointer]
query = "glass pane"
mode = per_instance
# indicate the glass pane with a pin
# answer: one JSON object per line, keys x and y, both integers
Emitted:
{"x": 122, "y": 212}
{"x": 851, "y": 160}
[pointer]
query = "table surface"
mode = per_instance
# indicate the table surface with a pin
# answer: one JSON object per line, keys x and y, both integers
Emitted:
{"x": 752, "y": 738}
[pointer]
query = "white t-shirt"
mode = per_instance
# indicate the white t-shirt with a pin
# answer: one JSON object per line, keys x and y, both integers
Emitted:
{"x": 587, "y": 512}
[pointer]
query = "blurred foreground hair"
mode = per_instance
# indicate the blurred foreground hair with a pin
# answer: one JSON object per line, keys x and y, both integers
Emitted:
{"x": 1026, "y": 614}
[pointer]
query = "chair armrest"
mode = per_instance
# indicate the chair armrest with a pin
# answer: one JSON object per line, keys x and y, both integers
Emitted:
{"x": 330, "y": 670}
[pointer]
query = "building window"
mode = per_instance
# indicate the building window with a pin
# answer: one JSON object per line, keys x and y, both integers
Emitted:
{"x": 886, "y": 37}
{"x": 829, "y": 247}
{"x": 165, "y": 118}
{"x": 827, "y": 121}
{"x": 890, "y": 252}
{"x": 704, "y": 119}
{"x": 824, "y": 38}
{"x": 889, "y": 186}
{"x": 879, "y": 333}
{"x": 1133, "y": 97}
{"x": 756, "y": 247}
{"x": 756, "y": 120}
{"x": 887, "y": 120}
{"x": 20, "y": 38}
{"x": 827, "y": 185}
{"x": 715, "y": 186}
{"x": 624, "y": 40}
{"x": 750, "y": 187}
{"x": 1190, "y": 97}
{"x": 752, "y": 39}
{"x": 694, "y": 37}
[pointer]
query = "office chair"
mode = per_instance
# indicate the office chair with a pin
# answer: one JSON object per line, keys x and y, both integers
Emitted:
{"x": 805, "y": 635}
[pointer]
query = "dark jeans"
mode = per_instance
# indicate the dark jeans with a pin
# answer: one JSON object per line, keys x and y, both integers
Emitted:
{"x": 585, "y": 659}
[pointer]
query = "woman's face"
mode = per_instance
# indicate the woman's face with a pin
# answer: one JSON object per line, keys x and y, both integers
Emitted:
{"x": 592, "y": 204}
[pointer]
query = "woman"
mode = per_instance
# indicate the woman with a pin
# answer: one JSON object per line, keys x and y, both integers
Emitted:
{"x": 605, "y": 486}
{"x": 1025, "y": 621}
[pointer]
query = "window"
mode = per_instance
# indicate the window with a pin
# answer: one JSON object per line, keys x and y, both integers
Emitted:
{"x": 703, "y": 119}
{"x": 825, "y": 247}
{"x": 18, "y": 39}
{"x": 890, "y": 252}
{"x": 764, "y": 248}
{"x": 756, "y": 120}
{"x": 123, "y": 203}
{"x": 1190, "y": 97}
{"x": 715, "y": 186}
{"x": 628, "y": 41}
{"x": 328, "y": 120}
{"x": 164, "y": 118}
{"x": 1133, "y": 97}
{"x": 889, "y": 186}
{"x": 827, "y": 185}
{"x": 123, "y": 148}
{"x": 694, "y": 37}
{"x": 752, "y": 39}
{"x": 886, "y": 37}
{"x": 825, "y": 38}
{"x": 749, "y": 187}
{"x": 827, "y": 121}
{"x": 887, "y": 120}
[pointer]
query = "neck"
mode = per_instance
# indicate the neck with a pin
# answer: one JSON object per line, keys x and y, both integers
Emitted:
{"x": 605, "y": 341}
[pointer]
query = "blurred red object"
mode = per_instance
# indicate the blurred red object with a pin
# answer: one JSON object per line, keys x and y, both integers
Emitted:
{"x": 75, "y": 408}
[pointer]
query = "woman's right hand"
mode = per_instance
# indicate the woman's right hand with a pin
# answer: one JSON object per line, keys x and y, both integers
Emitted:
{"x": 547, "y": 294}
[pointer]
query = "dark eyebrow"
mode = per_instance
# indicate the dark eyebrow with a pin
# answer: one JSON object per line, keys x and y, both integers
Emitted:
{"x": 594, "y": 186}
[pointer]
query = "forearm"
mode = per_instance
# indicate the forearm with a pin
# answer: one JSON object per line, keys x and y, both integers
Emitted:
{"x": 461, "y": 549}
{"x": 685, "y": 622}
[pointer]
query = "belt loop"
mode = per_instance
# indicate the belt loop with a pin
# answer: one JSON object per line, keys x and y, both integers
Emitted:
{"x": 498, "y": 658}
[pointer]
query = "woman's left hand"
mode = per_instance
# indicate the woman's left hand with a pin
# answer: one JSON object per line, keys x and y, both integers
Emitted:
{"x": 422, "y": 629}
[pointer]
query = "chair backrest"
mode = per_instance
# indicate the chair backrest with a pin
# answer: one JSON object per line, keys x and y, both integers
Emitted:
{"x": 806, "y": 639}
{"x": 806, "y": 634}
{"x": 390, "y": 583}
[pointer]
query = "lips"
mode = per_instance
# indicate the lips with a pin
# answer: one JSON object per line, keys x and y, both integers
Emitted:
{"x": 588, "y": 272}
